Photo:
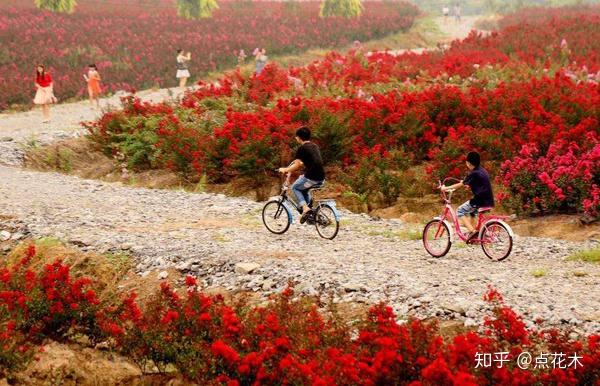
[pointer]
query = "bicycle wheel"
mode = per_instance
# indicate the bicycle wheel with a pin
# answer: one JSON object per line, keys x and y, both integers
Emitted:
{"x": 436, "y": 238}
{"x": 496, "y": 241}
{"x": 326, "y": 222}
{"x": 276, "y": 217}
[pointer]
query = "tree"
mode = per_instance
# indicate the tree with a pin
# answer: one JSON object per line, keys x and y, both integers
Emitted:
{"x": 57, "y": 5}
{"x": 195, "y": 9}
{"x": 343, "y": 8}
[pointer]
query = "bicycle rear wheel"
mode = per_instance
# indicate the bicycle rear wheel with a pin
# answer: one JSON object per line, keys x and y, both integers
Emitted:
{"x": 326, "y": 222}
{"x": 276, "y": 217}
{"x": 436, "y": 238}
{"x": 496, "y": 241}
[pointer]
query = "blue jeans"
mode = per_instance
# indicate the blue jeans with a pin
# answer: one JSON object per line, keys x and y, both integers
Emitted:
{"x": 301, "y": 189}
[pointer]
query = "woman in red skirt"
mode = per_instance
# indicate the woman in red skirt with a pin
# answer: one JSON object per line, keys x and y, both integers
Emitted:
{"x": 44, "y": 95}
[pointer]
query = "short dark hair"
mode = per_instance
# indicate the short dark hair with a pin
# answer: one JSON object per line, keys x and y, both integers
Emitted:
{"x": 303, "y": 133}
{"x": 179, "y": 51}
{"x": 473, "y": 158}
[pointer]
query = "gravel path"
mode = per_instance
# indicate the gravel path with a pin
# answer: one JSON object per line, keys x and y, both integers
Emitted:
{"x": 208, "y": 235}
{"x": 21, "y": 129}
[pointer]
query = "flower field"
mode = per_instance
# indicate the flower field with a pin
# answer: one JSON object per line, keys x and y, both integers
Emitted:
{"x": 287, "y": 340}
{"x": 116, "y": 39}
{"x": 527, "y": 97}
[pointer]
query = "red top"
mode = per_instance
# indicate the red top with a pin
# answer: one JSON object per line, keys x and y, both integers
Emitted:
{"x": 43, "y": 81}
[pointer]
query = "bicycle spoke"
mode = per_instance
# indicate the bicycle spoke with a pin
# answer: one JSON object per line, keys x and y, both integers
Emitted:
{"x": 436, "y": 238}
{"x": 497, "y": 242}
{"x": 326, "y": 222}
{"x": 276, "y": 217}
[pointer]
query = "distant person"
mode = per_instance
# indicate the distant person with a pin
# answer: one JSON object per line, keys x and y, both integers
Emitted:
{"x": 457, "y": 13}
{"x": 241, "y": 57}
{"x": 183, "y": 73}
{"x": 446, "y": 12}
{"x": 260, "y": 55}
{"x": 44, "y": 95}
{"x": 93, "y": 82}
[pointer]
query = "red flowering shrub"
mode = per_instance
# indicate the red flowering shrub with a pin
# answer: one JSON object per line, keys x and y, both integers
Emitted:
{"x": 564, "y": 179}
{"x": 285, "y": 341}
{"x": 290, "y": 341}
{"x": 47, "y": 304}
{"x": 15, "y": 349}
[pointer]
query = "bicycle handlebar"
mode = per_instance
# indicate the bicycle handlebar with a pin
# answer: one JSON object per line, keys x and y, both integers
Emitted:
{"x": 442, "y": 184}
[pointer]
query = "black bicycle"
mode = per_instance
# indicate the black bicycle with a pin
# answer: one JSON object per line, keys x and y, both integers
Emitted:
{"x": 278, "y": 213}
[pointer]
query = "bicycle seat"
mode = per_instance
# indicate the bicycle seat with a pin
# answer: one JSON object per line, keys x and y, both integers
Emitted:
{"x": 316, "y": 187}
{"x": 484, "y": 209}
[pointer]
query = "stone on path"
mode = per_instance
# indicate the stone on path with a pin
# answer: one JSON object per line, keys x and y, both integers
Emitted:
{"x": 246, "y": 268}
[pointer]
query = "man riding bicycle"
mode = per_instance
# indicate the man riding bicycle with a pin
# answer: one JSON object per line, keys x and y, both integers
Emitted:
{"x": 308, "y": 156}
{"x": 483, "y": 196}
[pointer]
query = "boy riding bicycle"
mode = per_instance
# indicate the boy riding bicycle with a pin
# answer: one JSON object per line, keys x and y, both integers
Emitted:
{"x": 308, "y": 156}
{"x": 483, "y": 196}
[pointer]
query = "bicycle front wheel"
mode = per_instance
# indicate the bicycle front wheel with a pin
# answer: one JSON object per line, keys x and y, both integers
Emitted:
{"x": 496, "y": 241}
{"x": 326, "y": 222}
{"x": 436, "y": 238}
{"x": 276, "y": 217}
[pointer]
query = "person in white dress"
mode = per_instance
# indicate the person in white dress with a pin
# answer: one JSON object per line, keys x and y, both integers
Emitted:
{"x": 183, "y": 73}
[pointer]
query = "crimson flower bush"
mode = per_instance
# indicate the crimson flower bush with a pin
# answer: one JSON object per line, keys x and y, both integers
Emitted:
{"x": 46, "y": 304}
{"x": 287, "y": 340}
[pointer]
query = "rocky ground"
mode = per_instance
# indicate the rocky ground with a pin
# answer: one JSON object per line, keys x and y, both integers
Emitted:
{"x": 222, "y": 241}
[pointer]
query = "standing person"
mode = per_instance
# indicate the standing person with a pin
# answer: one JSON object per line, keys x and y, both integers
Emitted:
{"x": 446, "y": 12}
{"x": 457, "y": 13}
{"x": 93, "y": 81}
{"x": 261, "y": 59}
{"x": 44, "y": 95}
{"x": 182, "y": 67}
{"x": 241, "y": 58}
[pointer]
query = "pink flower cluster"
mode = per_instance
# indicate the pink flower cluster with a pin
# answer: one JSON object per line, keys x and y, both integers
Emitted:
{"x": 564, "y": 179}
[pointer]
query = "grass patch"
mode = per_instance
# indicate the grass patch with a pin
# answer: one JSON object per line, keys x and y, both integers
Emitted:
{"x": 541, "y": 272}
{"x": 220, "y": 238}
{"x": 61, "y": 158}
{"x": 588, "y": 256}
{"x": 121, "y": 262}
{"x": 48, "y": 242}
{"x": 403, "y": 235}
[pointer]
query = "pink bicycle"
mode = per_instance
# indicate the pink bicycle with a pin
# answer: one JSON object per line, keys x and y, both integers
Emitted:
{"x": 494, "y": 235}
